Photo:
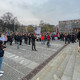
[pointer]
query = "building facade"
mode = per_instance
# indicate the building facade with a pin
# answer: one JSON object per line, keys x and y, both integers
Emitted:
{"x": 69, "y": 26}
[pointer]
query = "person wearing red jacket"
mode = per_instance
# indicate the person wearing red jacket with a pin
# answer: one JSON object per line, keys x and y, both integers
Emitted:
{"x": 48, "y": 39}
{"x": 42, "y": 39}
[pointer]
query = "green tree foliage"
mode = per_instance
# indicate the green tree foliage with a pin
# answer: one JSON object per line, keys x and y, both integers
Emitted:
{"x": 46, "y": 27}
{"x": 29, "y": 29}
{"x": 54, "y": 29}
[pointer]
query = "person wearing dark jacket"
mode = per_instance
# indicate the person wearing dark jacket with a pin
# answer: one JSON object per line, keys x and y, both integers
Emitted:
{"x": 66, "y": 38}
{"x": 21, "y": 37}
{"x": 2, "y": 49}
{"x": 69, "y": 38}
{"x": 15, "y": 37}
{"x": 18, "y": 40}
{"x": 73, "y": 40}
{"x": 78, "y": 36}
{"x": 26, "y": 38}
{"x": 11, "y": 39}
{"x": 29, "y": 37}
{"x": 33, "y": 42}
{"x": 48, "y": 40}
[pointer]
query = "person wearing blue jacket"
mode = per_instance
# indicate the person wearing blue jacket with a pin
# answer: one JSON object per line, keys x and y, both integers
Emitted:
{"x": 18, "y": 40}
{"x": 2, "y": 49}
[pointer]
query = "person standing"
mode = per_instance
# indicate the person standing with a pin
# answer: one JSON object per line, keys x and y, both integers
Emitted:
{"x": 78, "y": 36}
{"x": 68, "y": 37}
{"x": 65, "y": 37}
{"x": 2, "y": 49}
{"x": 29, "y": 37}
{"x": 62, "y": 36}
{"x": 26, "y": 38}
{"x": 15, "y": 37}
{"x": 73, "y": 38}
{"x": 33, "y": 42}
{"x": 42, "y": 39}
{"x": 11, "y": 39}
{"x": 18, "y": 41}
{"x": 48, "y": 40}
{"x": 5, "y": 39}
{"x": 8, "y": 36}
{"x": 21, "y": 37}
{"x": 37, "y": 37}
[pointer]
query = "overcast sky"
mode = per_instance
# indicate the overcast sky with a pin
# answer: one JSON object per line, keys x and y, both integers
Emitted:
{"x": 50, "y": 11}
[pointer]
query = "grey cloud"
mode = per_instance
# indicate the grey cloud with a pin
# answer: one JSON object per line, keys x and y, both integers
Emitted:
{"x": 58, "y": 9}
{"x": 11, "y": 2}
{"x": 53, "y": 10}
{"x": 22, "y": 6}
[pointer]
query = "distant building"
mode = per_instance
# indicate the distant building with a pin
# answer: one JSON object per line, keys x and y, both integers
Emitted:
{"x": 69, "y": 26}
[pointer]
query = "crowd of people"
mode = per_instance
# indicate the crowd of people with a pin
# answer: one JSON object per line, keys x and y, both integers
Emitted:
{"x": 30, "y": 38}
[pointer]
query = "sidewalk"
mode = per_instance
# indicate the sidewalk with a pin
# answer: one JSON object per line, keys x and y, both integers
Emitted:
{"x": 65, "y": 66}
{"x": 19, "y": 63}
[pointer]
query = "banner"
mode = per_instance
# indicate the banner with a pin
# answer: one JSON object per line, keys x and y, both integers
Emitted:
{"x": 38, "y": 31}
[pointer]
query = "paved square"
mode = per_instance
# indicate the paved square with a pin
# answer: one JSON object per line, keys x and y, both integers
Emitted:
{"x": 18, "y": 63}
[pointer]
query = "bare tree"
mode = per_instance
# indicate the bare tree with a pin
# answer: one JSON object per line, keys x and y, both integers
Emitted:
{"x": 15, "y": 23}
{"x": 7, "y": 17}
{"x": 10, "y": 21}
{"x": 41, "y": 23}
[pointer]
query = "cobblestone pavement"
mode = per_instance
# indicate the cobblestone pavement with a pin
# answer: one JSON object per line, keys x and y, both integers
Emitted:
{"x": 18, "y": 63}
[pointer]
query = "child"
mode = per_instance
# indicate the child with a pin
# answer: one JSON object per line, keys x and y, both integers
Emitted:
{"x": 2, "y": 49}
